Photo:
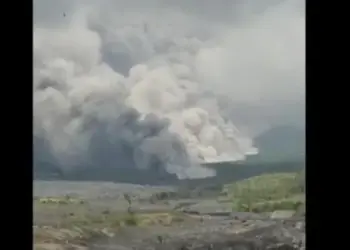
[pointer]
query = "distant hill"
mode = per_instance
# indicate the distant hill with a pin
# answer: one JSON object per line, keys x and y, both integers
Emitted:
{"x": 280, "y": 144}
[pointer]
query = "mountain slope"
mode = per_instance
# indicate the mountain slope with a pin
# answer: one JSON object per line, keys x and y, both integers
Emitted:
{"x": 284, "y": 143}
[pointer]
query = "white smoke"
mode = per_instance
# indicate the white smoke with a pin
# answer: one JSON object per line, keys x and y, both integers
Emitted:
{"x": 126, "y": 82}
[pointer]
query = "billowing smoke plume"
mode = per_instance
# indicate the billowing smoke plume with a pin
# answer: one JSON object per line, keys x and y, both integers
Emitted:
{"x": 154, "y": 84}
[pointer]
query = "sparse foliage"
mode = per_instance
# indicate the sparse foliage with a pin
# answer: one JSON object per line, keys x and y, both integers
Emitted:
{"x": 268, "y": 192}
{"x": 127, "y": 198}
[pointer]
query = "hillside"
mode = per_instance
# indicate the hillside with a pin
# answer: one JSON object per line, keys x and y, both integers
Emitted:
{"x": 280, "y": 144}
{"x": 268, "y": 192}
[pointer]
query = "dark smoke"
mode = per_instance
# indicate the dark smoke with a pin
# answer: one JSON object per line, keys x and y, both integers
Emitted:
{"x": 139, "y": 84}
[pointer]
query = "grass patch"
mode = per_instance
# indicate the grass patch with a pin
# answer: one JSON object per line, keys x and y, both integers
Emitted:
{"x": 284, "y": 204}
{"x": 68, "y": 215}
{"x": 267, "y": 192}
{"x": 164, "y": 219}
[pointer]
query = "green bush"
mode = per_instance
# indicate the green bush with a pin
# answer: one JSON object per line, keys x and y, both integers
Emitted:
{"x": 130, "y": 220}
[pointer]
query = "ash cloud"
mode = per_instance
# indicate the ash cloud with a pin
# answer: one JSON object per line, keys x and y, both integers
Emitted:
{"x": 165, "y": 86}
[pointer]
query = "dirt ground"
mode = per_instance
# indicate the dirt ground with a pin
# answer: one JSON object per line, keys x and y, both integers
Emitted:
{"x": 99, "y": 216}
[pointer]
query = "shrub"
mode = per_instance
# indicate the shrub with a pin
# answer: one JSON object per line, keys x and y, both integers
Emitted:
{"x": 130, "y": 220}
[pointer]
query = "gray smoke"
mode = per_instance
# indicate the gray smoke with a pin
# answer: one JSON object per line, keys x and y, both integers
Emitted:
{"x": 156, "y": 84}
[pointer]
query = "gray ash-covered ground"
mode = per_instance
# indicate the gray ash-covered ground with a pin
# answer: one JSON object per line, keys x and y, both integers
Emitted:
{"x": 214, "y": 234}
{"x": 206, "y": 223}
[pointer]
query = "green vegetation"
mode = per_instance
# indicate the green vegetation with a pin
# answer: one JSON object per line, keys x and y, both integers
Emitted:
{"x": 292, "y": 203}
{"x": 268, "y": 192}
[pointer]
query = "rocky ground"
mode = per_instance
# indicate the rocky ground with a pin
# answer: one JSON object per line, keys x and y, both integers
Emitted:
{"x": 99, "y": 216}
